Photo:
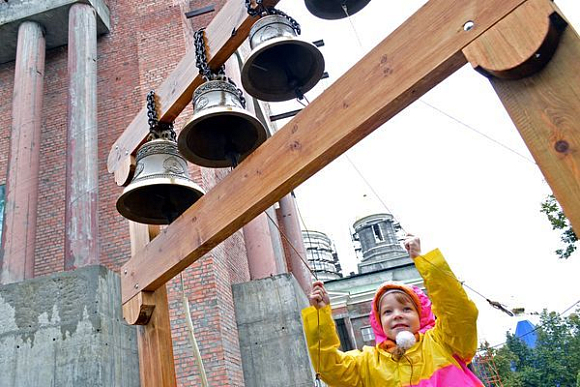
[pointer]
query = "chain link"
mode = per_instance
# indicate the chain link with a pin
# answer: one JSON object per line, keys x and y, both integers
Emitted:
{"x": 261, "y": 10}
{"x": 205, "y": 71}
{"x": 293, "y": 22}
{"x": 158, "y": 129}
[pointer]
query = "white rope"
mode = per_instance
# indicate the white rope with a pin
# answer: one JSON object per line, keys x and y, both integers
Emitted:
{"x": 192, "y": 340}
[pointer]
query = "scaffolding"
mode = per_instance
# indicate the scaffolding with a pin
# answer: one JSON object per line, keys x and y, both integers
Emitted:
{"x": 486, "y": 370}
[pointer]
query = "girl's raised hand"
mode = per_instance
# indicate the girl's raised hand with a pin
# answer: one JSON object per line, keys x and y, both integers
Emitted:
{"x": 318, "y": 296}
{"x": 413, "y": 245}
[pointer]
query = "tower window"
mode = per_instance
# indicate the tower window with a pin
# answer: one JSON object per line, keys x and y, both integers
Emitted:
{"x": 378, "y": 233}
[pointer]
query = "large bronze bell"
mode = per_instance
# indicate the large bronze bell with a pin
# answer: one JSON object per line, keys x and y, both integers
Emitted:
{"x": 221, "y": 132}
{"x": 161, "y": 189}
{"x": 281, "y": 66}
{"x": 335, "y": 9}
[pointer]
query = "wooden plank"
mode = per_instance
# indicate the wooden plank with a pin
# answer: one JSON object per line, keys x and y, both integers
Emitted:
{"x": 176, "y": 91}
{"x": 156, "y": 366}
{"x": 414, "y": 58}
{"x": 546, "y": 110}
{"x": 519, "y": 45}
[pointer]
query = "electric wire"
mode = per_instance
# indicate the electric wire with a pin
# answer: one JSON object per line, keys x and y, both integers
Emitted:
{"x": 457, "y": 120}
{"x": 536, "y": 328}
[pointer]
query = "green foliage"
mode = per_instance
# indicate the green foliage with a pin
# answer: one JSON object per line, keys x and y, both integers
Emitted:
{"x": 555, "y": 361}
{"x": 559, "y": 221}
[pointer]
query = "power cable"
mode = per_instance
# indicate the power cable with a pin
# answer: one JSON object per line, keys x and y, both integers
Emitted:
{"x": 536, "y": 328}
{"x": 477, "y": 131}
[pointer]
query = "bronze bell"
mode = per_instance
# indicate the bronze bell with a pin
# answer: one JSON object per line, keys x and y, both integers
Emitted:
{"x": 221, "y": 132}
{"x": 335, "y": 9}
{"x": 281, "y": 66}
{"x": 161, "y": 189}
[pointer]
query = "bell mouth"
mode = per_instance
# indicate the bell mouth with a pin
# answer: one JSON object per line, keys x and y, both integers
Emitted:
{"x": 332, "y": 10}
{"x": 158, "y": 200}
{"x": 214, "y": 133}
{"x": 266, "y": 78}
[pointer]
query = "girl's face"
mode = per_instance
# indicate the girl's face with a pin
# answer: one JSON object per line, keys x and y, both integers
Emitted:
{"x": 398, "y": 314}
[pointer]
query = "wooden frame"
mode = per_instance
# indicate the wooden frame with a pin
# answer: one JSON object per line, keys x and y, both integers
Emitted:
{"x": 511, "y": 39}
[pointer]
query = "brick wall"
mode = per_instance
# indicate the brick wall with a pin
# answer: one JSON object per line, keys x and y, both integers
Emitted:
{"x": 147, "y": 40}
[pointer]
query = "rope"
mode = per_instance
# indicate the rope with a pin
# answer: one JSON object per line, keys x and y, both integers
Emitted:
{"x": 192, "y": 340}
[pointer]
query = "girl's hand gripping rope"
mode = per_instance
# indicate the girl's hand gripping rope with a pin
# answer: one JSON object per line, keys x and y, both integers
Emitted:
{"x": 318, "y": 296}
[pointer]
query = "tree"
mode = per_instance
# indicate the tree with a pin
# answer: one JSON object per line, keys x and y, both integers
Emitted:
{"x": 555, "y": 361}
{"x": 559, "y": 221}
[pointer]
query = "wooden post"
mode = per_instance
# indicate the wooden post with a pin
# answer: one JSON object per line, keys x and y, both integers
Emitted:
{"x": 150, "y": 312}
{"x": 544, "y": 105}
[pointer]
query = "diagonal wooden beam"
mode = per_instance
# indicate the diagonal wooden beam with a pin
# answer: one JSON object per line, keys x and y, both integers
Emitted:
{"x": 226, "y": 32}
{"x": 417, "y": 56}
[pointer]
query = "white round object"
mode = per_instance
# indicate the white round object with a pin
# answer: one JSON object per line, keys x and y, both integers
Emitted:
{"x": 405, "y": 339}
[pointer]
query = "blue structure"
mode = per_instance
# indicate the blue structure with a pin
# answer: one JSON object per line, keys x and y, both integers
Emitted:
{"x": 525, "y": 331}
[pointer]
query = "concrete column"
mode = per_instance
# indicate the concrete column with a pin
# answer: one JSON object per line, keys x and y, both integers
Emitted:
{"x": 262, "y": 260}
{"x": 290, "y": 226}
{"x": 23, "y": 161}
{"x": 81, "y": 239}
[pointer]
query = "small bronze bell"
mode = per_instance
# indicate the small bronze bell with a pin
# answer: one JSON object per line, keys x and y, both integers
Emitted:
{"x": 161, "y": 189}
{"x": 221, "y": 132}
{"x": 281, "y": 66}
{"x": 335, "y": 9}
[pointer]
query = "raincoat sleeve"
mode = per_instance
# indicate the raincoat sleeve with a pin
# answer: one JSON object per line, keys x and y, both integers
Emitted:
{"x": 456, "y": 324}
{"x": 335, "y": 367}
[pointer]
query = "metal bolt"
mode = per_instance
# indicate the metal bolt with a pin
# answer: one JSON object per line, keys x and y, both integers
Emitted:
{"x": 561, "y": 146}
{"x": 125, "y": 272}
{"x": 468, "y": 25}
{"x": 136, "y": 286}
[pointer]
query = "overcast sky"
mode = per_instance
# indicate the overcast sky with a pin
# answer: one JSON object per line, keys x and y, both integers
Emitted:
{"x": 476, "y": 198}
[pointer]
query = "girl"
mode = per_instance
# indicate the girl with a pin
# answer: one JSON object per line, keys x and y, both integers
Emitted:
{"x": 413, "y": 349}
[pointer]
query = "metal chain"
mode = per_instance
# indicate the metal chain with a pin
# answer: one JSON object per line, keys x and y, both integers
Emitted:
{"x": 205, "y": 71}
{"x": 158, "y": 129}
{"x": 259, "y": 10}
{"x": 201, "y": 56}
{"x": 263, "y": 11}
{"x": 293, "y": 22}
{"x": 240, "y": 93}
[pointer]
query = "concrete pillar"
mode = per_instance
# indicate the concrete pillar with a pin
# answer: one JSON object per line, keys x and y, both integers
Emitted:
{"x": 262, "y": 259}
{"x": 23, "y": 161}
{"x": 272, "y": 344}
{"x": 296, "y": 253}
{"x": 81, "y": 238}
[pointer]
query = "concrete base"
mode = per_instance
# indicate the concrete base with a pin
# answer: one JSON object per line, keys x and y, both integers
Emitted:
{"x": 67, "y": 329}
{"x": 272, "y": 342}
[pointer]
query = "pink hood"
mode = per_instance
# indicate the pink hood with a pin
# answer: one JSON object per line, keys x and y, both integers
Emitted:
{"x": 427, "y": 317}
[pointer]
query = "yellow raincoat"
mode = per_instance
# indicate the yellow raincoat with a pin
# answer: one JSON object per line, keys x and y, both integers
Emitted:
{"x": 438, "y": 359}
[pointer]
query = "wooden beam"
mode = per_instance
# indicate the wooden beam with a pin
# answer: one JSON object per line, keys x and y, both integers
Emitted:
{"x": 546, "y": 106}
{"x": 151, "y": 310}
{"x": 417, "y": 56}
{"x": 226, "y": 32}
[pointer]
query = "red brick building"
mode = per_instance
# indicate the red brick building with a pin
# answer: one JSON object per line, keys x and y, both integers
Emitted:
{"x": 137, "y": 47}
